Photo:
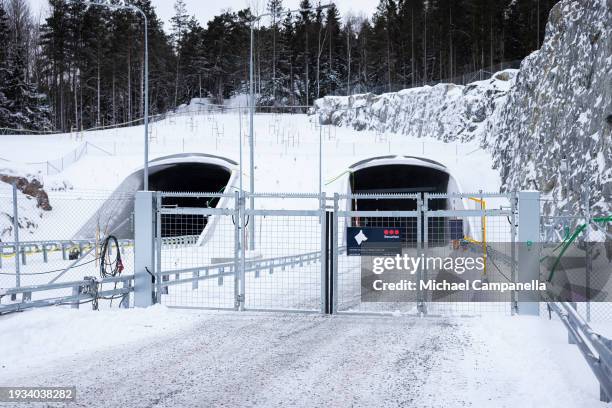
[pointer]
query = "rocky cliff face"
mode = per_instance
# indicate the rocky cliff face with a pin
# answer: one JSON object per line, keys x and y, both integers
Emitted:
{"x": 554, "y": 131}
{"x": 445, "y": 111}
{"x": 548, "y": 127}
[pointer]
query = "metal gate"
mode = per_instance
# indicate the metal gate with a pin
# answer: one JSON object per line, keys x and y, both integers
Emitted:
{"x": 197, "y": 250}
{"x": 348, "y": 267}
{"x": 482, "y": 224}
{"x": 429, "y": 225}
{"x": 303, "y": 252}
{"x": 205, "y": 260}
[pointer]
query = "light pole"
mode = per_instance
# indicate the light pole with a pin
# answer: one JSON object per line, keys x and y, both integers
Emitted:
{"x": 252, "y": 111}
{"x": 146, "y": 76}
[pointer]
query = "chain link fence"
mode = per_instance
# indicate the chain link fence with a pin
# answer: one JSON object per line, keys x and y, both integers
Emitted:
{"x": 578, "y": 233}
{"x": 44, "y": 239}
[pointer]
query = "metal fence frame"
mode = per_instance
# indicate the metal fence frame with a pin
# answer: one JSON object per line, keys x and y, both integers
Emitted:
{"x": 240, "y": 266}
{"x": 338, "y": 248}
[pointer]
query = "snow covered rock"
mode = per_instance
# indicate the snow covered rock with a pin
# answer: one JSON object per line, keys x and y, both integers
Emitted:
{"x": 560, "y": 109}
{"x": 556, "y": 109}
{"x": 31, "y": 187}
{"x": 32, "y": 203}
{"x": 444, "y": 111}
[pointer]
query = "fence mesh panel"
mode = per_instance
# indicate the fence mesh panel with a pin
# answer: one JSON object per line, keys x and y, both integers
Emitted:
{"x": 349, "y": 271}
{"x": 486, "y": 237}
{"x": 284, "y": 269}
{"x": 558, "y": 229}
{"x": 60, "y": 237}
{"x": 199, "y": 247}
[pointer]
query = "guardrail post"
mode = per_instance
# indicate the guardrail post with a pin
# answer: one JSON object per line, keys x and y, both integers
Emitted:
{"x": 76, "y": 292}
{"x": 125, "y": 301}
{"x": 603, "y": 397}
{"x": 144, "y": 253}
{"x": 529, "y": 259}
{"x": 570, "y": 337}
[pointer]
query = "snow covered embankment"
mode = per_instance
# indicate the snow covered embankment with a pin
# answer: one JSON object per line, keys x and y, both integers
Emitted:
{"x": 558, "y": 105}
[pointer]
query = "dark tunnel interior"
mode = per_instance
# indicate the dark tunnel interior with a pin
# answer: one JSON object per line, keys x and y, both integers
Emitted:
{"x": 187, "y": 177}
{"x": 393, "y": 179}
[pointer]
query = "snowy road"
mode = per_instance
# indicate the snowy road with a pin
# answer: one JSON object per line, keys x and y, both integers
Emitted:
{"x": 274, "y": 360}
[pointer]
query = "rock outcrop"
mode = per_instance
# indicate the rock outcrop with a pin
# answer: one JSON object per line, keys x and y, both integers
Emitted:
{"x": 31, "y": 188}
{"x": 554, "y": 132}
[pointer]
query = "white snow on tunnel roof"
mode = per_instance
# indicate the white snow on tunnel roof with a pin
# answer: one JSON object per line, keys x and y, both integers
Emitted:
{"x": 192, "y": 157}
{"x": 396, "y": 159}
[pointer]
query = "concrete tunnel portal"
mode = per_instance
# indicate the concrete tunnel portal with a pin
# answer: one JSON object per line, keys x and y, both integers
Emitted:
{"x": 189, "y": 172}
{"x": 188, "y": 177}
{"x": 401, "y": 175}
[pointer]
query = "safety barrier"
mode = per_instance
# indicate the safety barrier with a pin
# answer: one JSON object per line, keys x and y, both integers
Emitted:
{"x": 88, "y": 290}
{"x": 595, "y": 348}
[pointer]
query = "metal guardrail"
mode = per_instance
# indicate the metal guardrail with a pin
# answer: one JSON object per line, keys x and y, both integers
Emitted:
{"x": 8, "y": 249}
{"x": 85, "y": 290}
{"x": 595, "y": 348}
{"x": 253, "y": 265}
{"x": 227, "y": 268}
{"x": 26, "y": 248}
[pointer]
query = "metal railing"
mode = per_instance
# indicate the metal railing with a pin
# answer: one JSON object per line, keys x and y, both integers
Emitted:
{"x": 30, "y": 248}
{"x": 89, "y": 289}
{"x": 595, "y": 348}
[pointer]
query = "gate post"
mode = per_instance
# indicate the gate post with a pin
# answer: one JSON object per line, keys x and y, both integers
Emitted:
{"x": 335, "y": 245}
{"x": 324, "y": 254}
{"x": 144, "y": 253}
{"x": 238, "y": 299}
{"x": 529, "y": 238}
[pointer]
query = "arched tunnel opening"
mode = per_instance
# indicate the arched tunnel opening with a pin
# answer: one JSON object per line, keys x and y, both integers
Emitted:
{"x": 187, "y": 177}
{"x": 396, "y": 179}
{"x": 185, "y": 172}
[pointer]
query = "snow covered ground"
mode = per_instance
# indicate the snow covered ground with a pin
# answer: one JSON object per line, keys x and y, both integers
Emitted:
{"x": 174, "y": 358}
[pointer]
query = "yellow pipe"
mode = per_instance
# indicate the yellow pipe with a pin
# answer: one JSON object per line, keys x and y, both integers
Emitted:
{"x": 483, "y": 206}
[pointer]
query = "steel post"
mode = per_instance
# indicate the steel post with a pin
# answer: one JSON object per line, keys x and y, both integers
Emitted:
{"x": 529, "y": 254}
{"x": 144, "y": 244}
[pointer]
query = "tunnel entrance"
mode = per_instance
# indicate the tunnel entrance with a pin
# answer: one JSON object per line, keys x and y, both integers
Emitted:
{"x": 394, "y": 179}
{"x": 187, "y": 177}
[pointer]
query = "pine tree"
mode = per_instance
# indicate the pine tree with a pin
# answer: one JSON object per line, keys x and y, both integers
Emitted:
{"x": 180, "y": 22}
{"x": 275, "y": 8}
{"x": 4, "y": 67}
{"x": 332, "y": 78}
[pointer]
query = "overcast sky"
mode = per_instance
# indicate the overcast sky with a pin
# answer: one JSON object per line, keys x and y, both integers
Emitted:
{"x": 204, "y": 10}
